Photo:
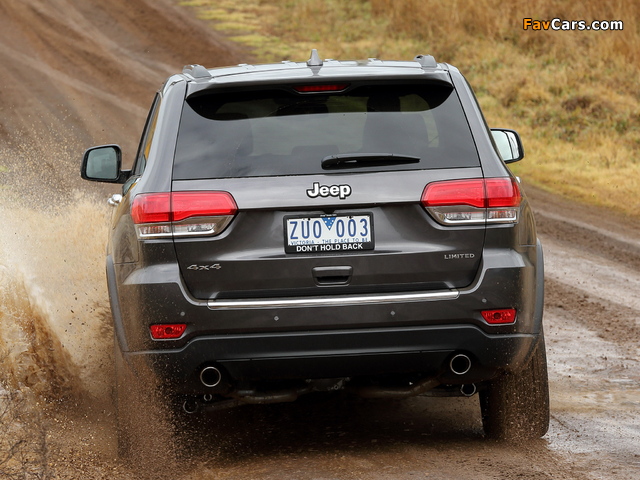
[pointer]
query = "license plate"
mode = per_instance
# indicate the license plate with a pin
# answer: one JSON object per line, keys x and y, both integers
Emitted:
{"x": 328, "y": 233}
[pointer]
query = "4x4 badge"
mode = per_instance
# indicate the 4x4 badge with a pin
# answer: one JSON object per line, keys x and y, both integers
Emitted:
{"x": 215, "y": 266}
{"x": 342, "y": 191}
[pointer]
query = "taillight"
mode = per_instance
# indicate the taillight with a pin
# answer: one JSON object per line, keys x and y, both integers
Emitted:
{"x": 201, "y": 204}
{"x": 167, "y": 331}
{"x": 499, "y": 317}
{"x": 473, "y": 201}
{"x": 151, "y": 208}
{"x": 182, "y": 214}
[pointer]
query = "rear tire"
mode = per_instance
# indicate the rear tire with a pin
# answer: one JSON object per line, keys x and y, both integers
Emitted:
{"x": 515, "y": 406}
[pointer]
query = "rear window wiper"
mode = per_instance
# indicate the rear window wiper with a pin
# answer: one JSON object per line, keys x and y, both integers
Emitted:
{"x": 348, "y": 160}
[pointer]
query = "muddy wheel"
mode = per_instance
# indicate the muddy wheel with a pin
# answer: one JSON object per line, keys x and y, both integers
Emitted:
{"x": 515, "y": 406}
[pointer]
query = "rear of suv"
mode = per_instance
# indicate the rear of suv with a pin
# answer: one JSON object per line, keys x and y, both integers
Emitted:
{"x": 325, "y": 225}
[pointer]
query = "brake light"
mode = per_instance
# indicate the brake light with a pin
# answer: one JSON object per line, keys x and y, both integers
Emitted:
{"x": 337, "y": 87}
{"x": 502, "y": 192}
{"x": 178, "y": 214}
{"x": 151, "y": 208}
{"x": 167, "y": 331}
{"x": 456, "y": 192}
{"x": 499, "y": 317}
{"x": 201, "y": 204}
{"x": 473, "y": 201}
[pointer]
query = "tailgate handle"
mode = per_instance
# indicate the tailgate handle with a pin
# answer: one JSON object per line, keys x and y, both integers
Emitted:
{"x": 340, "y": 275}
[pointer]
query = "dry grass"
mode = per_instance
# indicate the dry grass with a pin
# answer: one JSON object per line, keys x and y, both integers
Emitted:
{"x": 573, "y": 95}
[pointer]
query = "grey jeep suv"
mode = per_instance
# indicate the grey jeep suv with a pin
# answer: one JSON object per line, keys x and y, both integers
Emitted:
{"x": 344, "y": 225}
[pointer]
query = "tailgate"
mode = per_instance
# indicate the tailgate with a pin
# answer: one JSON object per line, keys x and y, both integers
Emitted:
{"x": 285, "y": 242}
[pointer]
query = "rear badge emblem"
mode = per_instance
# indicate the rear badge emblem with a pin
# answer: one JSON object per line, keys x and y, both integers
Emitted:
{"x": 459, "y": 256}
{"x": 205, "y": 268}
{"x": 341, "y": 191}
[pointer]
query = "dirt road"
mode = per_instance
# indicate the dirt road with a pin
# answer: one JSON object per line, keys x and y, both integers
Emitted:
{"x": 82, "y": 72}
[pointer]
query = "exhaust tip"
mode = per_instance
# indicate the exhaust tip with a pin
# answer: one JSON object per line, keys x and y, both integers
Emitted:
{"x": 468, "y": 389}
{"x": 460, "y": 364}
{"x": 190, "y": 406}
{"x": 210, "y": 376}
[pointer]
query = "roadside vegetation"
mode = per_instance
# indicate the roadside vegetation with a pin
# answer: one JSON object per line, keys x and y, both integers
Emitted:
{"x": 572, "y": 95}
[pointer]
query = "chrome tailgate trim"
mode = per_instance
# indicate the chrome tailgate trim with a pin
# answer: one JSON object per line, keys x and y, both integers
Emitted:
{"x": 326, "y": 301}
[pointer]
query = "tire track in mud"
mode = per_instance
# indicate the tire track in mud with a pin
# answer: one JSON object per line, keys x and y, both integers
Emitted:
{"x": 592, "y": 266}
{"x": 595, "y": 400}
{"x": 592, "y": 314}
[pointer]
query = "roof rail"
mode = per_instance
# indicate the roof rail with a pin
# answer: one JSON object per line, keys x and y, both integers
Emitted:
{"x": 426, "y": 61}
{"x": 196, "y": 71}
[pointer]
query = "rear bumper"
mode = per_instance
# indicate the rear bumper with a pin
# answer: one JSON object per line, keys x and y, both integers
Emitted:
{"x": 339, "y": 353}
{"x": 330, "y": 338}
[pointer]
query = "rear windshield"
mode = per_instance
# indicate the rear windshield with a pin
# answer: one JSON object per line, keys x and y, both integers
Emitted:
{"x": 283, "y": 132}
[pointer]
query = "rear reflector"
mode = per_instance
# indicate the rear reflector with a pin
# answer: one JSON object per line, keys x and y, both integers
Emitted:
{"x": 158, "y": 215}
{"x": 473, "y": 201}
{"x": 336, "y": 87}
{"x": 499, "y": 317}
{"x": 167, "y": 330}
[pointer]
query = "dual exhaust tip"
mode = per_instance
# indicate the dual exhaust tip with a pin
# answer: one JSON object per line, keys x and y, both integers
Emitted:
{"x": 210, "y": 376}
{"x": 460, "y": 364}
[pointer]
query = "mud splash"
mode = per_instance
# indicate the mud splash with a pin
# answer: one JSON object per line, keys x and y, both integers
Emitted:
{"x": 55, "y": 334}
{"x": 32, "y": 356}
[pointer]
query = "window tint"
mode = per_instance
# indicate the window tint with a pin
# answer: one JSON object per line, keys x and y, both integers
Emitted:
{"x": 147, "y": 138}
{"x": 282, "y": 132}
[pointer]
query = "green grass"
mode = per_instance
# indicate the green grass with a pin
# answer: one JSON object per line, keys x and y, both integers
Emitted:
{"x": 572, "y": 95}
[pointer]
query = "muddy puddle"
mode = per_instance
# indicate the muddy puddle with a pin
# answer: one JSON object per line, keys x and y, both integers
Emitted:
{"x": 595, "y": 401}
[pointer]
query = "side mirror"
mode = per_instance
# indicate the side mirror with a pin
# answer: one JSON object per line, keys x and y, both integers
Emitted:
{"x": 103, "y": 164}
{"x": 509, "y": 144}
